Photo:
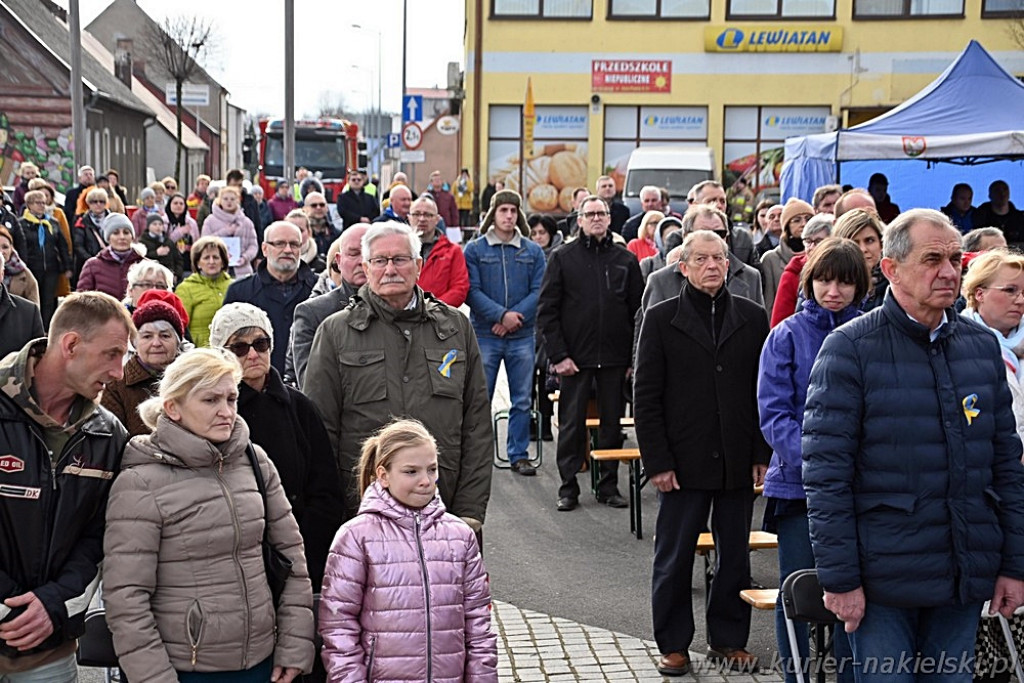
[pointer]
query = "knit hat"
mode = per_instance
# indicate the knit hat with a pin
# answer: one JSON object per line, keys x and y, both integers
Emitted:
{"x": 169, "y": 298}
{"x": 154, "y": 311}
{"x": 506, "y": 197}
{"x": 153, "y": 218}
{"x": 795, "y": 207}
{"x": 237, "y": 316}
{"x": 116, "y": 221}
{"x": 147, "y": 193}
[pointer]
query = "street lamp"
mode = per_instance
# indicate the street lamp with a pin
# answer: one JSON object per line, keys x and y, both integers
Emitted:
{"x": 378, "y": 128}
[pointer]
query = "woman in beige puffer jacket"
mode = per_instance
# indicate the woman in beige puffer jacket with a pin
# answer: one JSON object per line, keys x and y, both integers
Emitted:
{"x": 184, "y": 582}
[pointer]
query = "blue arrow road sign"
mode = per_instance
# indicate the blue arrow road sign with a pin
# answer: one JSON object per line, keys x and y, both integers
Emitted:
{"x": 412, "y": 108}
{"x": 394, "y": 140}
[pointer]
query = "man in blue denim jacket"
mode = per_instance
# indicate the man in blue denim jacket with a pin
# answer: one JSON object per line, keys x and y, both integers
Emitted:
{"x": 505, "y": 273}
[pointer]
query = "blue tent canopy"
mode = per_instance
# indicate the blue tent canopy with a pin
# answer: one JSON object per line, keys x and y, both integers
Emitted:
{"x": 972, "y": 113}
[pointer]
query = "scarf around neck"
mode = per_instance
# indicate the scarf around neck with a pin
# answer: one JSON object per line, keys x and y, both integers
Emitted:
{"x": 1010, "y": 345}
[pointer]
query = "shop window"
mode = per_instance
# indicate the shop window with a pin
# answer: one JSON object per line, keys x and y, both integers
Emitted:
{"x": 885, "y": 9}
{"x": 626, "y": 128}
{"x": 542, "y": 9}
{"x": 1002, "y": 8}
{"x": 659, "y": 9}
{"x": 781, "y": 9}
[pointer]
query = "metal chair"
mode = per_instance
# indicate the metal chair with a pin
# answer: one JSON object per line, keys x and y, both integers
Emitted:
{"x": 803, "y": 600}
{"x": 501, "y": 461}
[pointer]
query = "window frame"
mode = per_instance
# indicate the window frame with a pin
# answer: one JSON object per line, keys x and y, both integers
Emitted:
{"x": 905, "y": 15}
{"x": 611, "y": 15}
{"x": 1000, "y": 13}
{"x": 778, "y": 16}
{"x": 539, "y": 16}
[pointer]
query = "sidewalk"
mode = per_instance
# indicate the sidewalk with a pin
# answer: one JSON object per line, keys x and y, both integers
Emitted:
{"x": 535, "y": 647}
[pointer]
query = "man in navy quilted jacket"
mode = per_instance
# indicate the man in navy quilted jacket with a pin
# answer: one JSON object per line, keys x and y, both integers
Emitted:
{"x": 915, "y": 490}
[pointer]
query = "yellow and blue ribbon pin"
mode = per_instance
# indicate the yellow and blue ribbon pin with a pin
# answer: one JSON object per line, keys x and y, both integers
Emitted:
{"x": 970, "y": 412}
{"x": 445, "y": 368}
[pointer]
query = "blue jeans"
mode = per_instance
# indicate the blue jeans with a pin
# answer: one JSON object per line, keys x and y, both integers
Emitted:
{"x": 795, "y": 554}
{"x": 518, "y": 355}
{"x": 64, "y": 670}
{"x": 887, "y": 639}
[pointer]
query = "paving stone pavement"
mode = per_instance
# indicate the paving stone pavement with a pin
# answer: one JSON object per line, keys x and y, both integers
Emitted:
{"x": 534, "y": 647}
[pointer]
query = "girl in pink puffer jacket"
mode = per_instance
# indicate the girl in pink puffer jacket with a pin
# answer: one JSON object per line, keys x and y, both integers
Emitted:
{"x": 405, "y": 594}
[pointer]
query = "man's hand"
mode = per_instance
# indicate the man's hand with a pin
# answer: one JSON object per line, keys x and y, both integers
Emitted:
{"x": 499, "y": 330}
{"x": 848, "y": 607}
{"x": 759, "y": 472}
{"x": 163, "y": 251}
{"x": 565, "y": 367}
{"x": 512, "y": 321}
{"x": 30, "y": 628}
{"x": 283, "y": 675}
{"x": 1007, "y": 596}
{"x": 364, "y": 219}
{"x": 665, "y": 481}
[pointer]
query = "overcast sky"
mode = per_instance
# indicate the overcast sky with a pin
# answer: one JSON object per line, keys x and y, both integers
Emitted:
{"x": 249, "y": 58}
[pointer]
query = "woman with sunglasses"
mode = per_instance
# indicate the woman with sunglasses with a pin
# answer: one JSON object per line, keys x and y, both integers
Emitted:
{"x": 286, "y": 424}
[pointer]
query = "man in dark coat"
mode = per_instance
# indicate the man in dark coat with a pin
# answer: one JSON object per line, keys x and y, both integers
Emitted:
{"x": 695, "y": 401}
{"x": 911, "y": 463}
{"x": 355, "y": 205}
{"x": 280, "y": 283}
{"x": 588, "y": 303}
{"x": 606, "y": 191}
{"x": 19, "y": 319}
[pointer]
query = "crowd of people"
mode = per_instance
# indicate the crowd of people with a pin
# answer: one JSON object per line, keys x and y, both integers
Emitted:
{"x": 281, "y": 398}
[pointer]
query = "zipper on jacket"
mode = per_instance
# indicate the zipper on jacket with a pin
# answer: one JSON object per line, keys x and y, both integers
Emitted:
{"x": 714, "y": 335}
{"x": 53, "y": 502}
{"x": 193, "y": 640}
{"x": 426, "y": 592}
{"x": 369, "y": 662}
{"x": 238, "y": 563}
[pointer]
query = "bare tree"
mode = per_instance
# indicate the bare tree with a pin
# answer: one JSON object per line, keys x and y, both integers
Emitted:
{"x": 331, "y": 105}
{"x": 179, "y": 46}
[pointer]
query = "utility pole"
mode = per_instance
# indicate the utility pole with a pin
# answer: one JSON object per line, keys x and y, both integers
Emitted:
{"x": 405, "y": 37}
{"x": 78, "y": 131}
{"x": 289, "y": 90}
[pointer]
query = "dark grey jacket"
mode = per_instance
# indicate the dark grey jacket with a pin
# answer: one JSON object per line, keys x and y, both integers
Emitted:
{"x": 20, "y": 321}
{"x": 308, "y": 316}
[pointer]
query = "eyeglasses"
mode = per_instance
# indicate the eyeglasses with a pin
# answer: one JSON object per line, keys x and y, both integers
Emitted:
{"x": 97, "y": 201}
{"x": 594, "y": 215}
{"x": 150, "y": 285}
{"x": 381, "y": 262}
{"x": 170, "y": 188}
{"x": 282, "y": 245}
{"x": 241, "y": 348}
{"x": 814, "y": 241}
{"x": 703, "y": 260}
{"x": 316, "y": 205}
{"x": 422, "y": 214}
{"x": 1012, "y": 291}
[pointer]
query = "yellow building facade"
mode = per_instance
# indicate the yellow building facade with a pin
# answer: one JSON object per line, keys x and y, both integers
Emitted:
{"x": 738, "y": 76}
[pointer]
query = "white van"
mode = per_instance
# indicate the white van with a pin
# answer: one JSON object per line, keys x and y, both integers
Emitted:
{"x": 677, "y": 168}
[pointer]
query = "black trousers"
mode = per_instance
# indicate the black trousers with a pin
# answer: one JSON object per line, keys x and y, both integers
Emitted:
{"x": 47, "y": 295}
{"x": 681, "y": 518}
{"x": 572, "y": 426}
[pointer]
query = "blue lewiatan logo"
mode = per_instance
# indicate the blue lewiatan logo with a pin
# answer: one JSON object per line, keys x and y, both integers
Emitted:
{"x": 655, "y": 121}
{"x": 730, "y": 39}
{"x": 791, "y": 121}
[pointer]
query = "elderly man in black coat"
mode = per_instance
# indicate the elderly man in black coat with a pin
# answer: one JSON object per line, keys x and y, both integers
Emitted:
{"x": 697, "y": 427}
{"x": 19, "y": 319}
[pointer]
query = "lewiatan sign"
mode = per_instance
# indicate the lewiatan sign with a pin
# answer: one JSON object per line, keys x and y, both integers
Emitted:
{"x": 793, "y": 38}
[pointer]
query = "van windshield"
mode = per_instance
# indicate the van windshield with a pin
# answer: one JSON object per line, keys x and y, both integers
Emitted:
{"x": 677, "y": 181}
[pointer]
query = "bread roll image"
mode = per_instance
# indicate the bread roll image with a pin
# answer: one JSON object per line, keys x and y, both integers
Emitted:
{"x": 565, "y": 198}
{"x": 544, "y": 197}
{"x": 537, "y": 172}
{"x": 567, "y": 169}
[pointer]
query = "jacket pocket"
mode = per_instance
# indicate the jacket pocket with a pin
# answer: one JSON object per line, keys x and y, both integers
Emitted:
{"x": 365, "y": 375}
{"x": 447, "y": 370}
{"x": 194, "y": 627}
{"x": 616, "y": 279}
{"x": 885, "y": 522}
{"x": 993, "y": 499}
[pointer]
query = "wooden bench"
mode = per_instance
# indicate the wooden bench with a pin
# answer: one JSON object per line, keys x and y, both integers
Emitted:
{"x": 760, "y": 598}
{"x": 593, "y": 425}
{"x": 637, "y": 479}
{"x": 758, "y": 540}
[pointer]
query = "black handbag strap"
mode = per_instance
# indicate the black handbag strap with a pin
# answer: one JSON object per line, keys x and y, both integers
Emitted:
{"x": 260, "y": 485}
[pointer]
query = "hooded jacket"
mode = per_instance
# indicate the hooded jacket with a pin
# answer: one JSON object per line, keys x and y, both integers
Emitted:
{"x": 406, "y": 598}
{"x": 786, "y": 361}
{"x": 202, "y": 297}
{"x": 909, "y": 495}
{"x": 183, "y": 578}
{"x": 104, "y": 272}
{"x": 370, "y": 363}
{"x": 772, "y": 265}
{"x": 51, "y": 513}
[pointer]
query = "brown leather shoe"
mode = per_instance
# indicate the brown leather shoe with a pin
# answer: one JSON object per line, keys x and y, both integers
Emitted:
{"x": 736, "y": 658}
{"x": 674, "y": 664}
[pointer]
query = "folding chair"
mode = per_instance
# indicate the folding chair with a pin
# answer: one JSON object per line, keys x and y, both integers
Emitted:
{"x": 501, "y": 461}
{"x": 803, "y": 600}
{"x": 1011, "y": 647}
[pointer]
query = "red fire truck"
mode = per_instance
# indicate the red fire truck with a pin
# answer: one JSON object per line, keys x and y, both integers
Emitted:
{"x": 329, "y": 148}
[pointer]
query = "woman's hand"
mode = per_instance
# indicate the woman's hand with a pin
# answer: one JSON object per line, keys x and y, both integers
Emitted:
{"x": 283, "y": 675}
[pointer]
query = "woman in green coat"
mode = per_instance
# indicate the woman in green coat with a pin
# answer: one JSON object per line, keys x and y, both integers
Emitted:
{"x": 203, "y": 291}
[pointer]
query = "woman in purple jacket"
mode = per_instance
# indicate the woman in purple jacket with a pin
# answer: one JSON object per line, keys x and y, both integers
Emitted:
{"x": 405, "y": 594}
{"x": 834, "y": 281}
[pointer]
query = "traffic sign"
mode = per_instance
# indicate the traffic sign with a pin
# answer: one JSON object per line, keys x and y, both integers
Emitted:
{"x": 412, "y": 108}
{"x": 394, "y": 140}
{"x": 413, "y": 157}
{"x": 412, "y": 135}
